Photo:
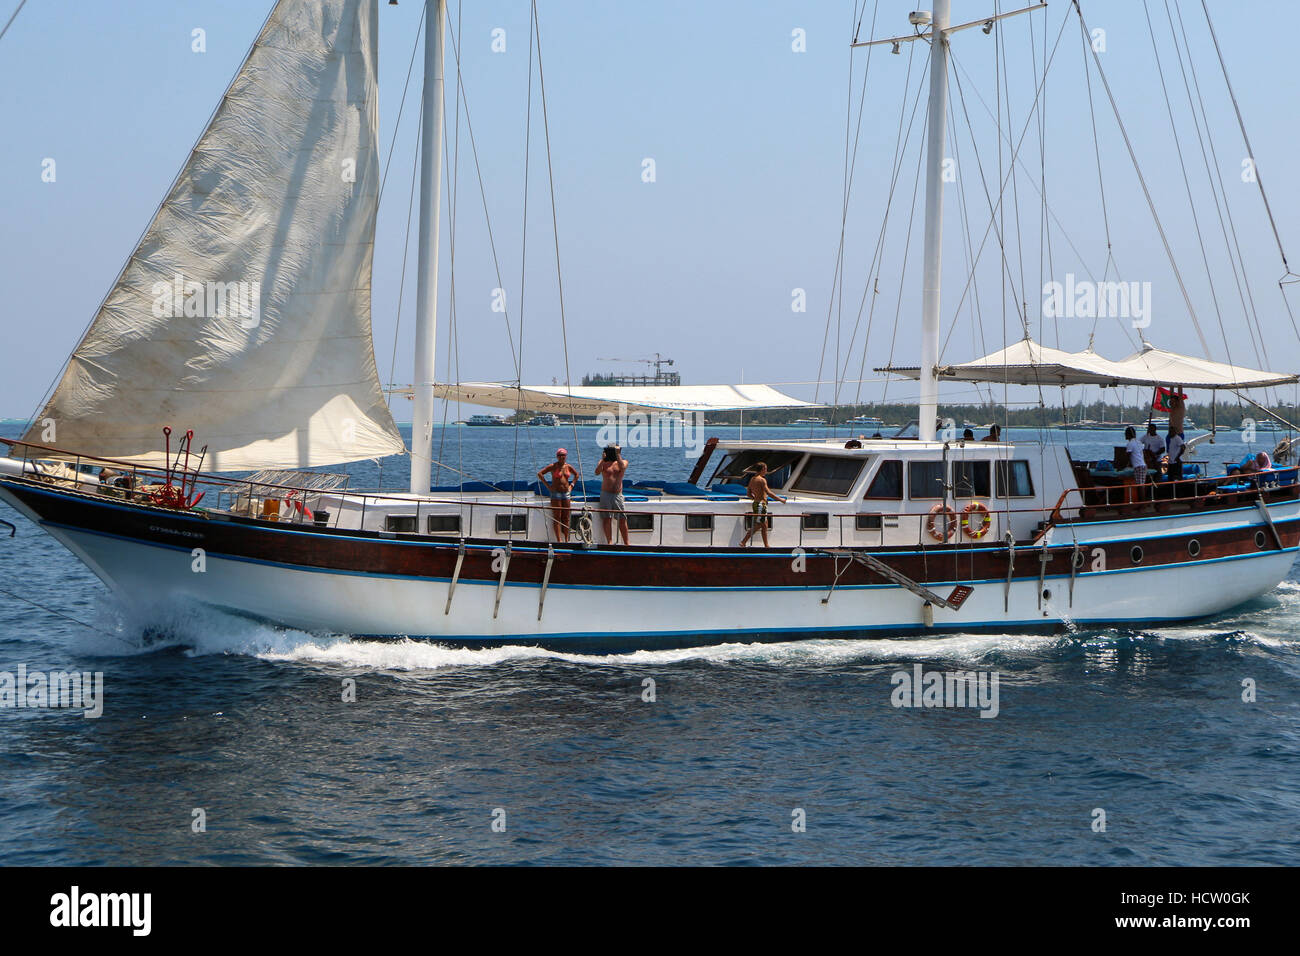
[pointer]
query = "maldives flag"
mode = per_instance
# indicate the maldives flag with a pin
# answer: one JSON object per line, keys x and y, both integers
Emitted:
{"x": 1161, "y": 401}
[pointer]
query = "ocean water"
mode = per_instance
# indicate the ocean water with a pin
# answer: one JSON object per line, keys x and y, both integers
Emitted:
{"x": 742, "y": 742}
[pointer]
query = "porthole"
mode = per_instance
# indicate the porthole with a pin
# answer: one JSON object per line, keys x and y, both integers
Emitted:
{"x": 1259, "y": 539}
{"x": 1136, "y": 555}
{"x": 1194, "y": 548}
{"x": 1047, "y": 595}
{"x": 1079, "y": 559}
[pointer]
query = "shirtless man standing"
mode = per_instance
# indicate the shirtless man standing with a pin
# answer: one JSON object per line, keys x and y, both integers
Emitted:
{"x": 561, "y": 482}
{"x": 611, "y": 468}
{"x": 759, "y": 494}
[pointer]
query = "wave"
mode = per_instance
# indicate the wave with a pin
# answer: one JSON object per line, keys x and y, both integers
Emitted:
{"x": 198, "y": 631}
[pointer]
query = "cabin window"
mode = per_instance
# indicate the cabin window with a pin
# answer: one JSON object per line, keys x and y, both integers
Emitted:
{"x": 970, "y": 479}
{"x": 512, "y": 524}
{"x": 828, "y": 475}
{"x": 699, "y": 522}
{"x": 640, "y": 522}
{"x": 867, "y": 522}
{"x": 888, "y": 482}
{"x": 444, "y": 524}
{"x": 817, "y": 521}
{"x": 1014, "y": 480}
{"x": 925, "y": 479}
{"x": 400, "y": 524}
{"x": 737, "y": 468}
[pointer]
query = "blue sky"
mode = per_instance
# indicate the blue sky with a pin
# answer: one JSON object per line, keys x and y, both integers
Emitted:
{"x": 748, "y": 138}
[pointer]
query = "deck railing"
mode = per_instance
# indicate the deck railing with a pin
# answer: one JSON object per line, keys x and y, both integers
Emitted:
{"x": 1178, "y": 496}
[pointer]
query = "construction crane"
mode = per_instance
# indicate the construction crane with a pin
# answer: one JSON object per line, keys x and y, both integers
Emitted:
{"x": 658, "y": 362}
{"x": 660, "y": 376}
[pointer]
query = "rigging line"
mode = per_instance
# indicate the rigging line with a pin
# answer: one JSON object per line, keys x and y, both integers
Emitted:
{"x": 406, "y": 251}
{"x": 901, "y": 141}
{"x": 1101, "y": 184}
{"x": 851, "y": 169}
{"x": 841, "y": 368}
{"x": 1182, "y": 165}
{"x": 837, "y": 281}
{"x": 478, "y": 169}
{"x": 1001, "y": 213}
{"x": 1022, "y": 309}
{"x": 837, "y": 278}
{"x": 1202, "y": 135}
{"x": 1212, "y": 163}
{"x": 67, "y": 617}
{"x": 12, "y": 18}
{"x": 1240, "y": 260}
{"x": 911, "y": 229}
{"x": 850, "y": 165}
{"x": 872, "y": 286}
{"x": 1239, "y": 269}
{"x": 1018, "y": 143}
{"x": 967, "y": 245}
{"x": 1006, "y": 277}
{"x": 900, "y": 146}
{"x": 397, "y": 123}
{"x": 1045, "y": 226}
{"x": 1128, "y": 143}
{"x": 555, "y": 229}
{"x": 523, "y": 249}
{"x": 1060, "y": 226}
{"x": 1250, "y": 150}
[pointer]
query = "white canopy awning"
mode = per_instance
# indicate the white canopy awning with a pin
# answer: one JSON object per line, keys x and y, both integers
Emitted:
{"x": 1029, "y": 363}
{"x": 593, "y": 400}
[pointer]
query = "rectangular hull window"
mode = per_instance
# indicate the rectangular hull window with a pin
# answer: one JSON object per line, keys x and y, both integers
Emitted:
{"x": 512, "y": 524}
{"x": 444, "y": 524}
{"x": 400, "y": 524}
{"x": 1014, "y": 480}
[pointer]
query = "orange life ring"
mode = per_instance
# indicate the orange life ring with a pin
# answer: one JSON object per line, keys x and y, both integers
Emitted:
{"x": 985, "y": 520}
{"x": 949, "y": 523}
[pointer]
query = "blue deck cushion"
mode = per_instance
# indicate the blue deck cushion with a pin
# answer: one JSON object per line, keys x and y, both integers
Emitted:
{"x": 728, "y": 488}
{"x": 683, "y": 489}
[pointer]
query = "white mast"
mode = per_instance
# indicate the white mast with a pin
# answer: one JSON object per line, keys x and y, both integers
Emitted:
{"x": 933, "y": 246}
{"x": 932, "y": 272}
{"x": 426, "y": 296}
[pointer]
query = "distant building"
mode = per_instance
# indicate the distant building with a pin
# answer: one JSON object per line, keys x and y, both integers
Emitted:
{"x": 609, "y": 378}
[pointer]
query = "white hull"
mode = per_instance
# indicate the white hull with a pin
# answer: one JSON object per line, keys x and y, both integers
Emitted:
{"x": 362, "y": 604}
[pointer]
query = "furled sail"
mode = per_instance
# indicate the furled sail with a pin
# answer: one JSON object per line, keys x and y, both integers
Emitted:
{"x": 598, "y": 399}
{"x": 244, "y": 313}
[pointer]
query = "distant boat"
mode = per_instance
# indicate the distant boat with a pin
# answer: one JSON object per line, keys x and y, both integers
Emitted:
{"x": 866, "y": 421}
{"x": 486, "y": 420}
{"x": 1162, "y": 424}
{"x": 811, "y": 422}
{"x": 544, "y": 421}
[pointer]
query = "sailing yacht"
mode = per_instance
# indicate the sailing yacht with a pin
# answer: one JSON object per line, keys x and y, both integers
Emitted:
{"x": 881, "y": 536}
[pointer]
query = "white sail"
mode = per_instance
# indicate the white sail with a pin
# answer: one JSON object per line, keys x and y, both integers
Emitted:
{"x": 244, "y": 313}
